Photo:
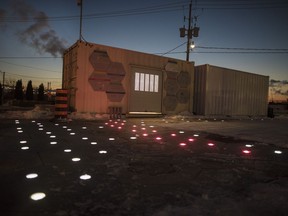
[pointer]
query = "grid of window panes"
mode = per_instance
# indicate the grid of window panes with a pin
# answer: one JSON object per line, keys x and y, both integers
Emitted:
{"x": 146, "y": 82}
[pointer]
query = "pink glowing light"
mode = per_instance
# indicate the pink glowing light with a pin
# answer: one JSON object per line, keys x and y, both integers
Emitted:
{"x": 111, "y": 125}
{"x": 158, "y": 138}
{"x": 134, "y": 130}
{"x": 246, "y": 151}
{"x": 211, "y": 144}
{"x": 145, "y": 134}
{"x": 154, "y": 131}
{"x": 182, "y": 144}
{"x": 173, "y": 134}
{"x": 119, "y": 128}
{"x": 191, "y": 140}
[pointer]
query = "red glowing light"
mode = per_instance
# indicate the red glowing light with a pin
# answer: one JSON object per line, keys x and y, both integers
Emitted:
{"x": 182, "y": 144}
{"x": 246, "y": 151}
{"x": 111, "y": 125}
{"x": 173, "y": 134}
{"x": 134, "y": 130}
{"x": 119, "y": 128}
{"x": 211, "y": 144}
{"x": 145, "y": 134}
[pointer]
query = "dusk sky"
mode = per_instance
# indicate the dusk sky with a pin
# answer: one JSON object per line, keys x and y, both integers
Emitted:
{"x": 255, "y": 33}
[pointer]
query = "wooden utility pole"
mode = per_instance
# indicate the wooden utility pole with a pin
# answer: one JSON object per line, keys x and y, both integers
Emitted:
{"x": 189, "y": 33}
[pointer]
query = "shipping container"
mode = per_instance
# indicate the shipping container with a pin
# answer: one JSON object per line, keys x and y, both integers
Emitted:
{"x": 102, "y": 78}
{"x": 223, "y": 91}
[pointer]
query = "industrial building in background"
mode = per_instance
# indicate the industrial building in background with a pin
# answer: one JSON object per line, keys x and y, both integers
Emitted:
{"x": 103, "y": 79}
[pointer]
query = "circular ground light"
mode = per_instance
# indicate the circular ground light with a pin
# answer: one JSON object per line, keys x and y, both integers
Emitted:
{"x": 38, "y": 196}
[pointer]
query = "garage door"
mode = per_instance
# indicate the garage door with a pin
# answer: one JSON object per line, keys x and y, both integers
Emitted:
{"x": 146, "y": 91}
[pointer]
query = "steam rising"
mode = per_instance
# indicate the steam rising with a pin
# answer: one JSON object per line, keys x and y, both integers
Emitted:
{"x": 39, "y": 34}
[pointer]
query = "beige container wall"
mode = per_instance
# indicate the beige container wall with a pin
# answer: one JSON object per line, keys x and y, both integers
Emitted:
{"x": 232, "y": 92}
{"x": 88, "y": 100}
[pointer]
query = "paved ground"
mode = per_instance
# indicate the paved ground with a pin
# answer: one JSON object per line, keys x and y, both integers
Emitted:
{"x": 144, "y": 167}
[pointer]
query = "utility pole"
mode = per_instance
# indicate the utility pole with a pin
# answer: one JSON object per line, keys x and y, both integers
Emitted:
{"x": 189, "y": 36}
{"x": 189, "y": 32}
{"x": 3, "y": 87}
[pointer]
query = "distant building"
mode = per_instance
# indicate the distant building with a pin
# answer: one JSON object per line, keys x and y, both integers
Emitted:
{"x": 105, "y": 79}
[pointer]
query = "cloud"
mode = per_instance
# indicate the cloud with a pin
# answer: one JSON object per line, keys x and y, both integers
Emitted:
{"x": 38, "y": 35}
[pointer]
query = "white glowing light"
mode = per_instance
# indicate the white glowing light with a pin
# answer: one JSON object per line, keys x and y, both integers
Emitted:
{"x": 278, "y": 152}
{"x": 56, "y": 124}
{"x": 23, "y": 141}
{"x": 154, "y": 131}
{"x": 181, "y": 132}
{"x": 134, "y": 126}
{"x": 249, "y": 145}
{"x": 190, "y": 139}
{"x": 20, "y": 131}
{"x": 158, "y": 138}
{"x": 67, "y": 150}
{"x": 93, "y": 143}
{"x": 48, "y": 132}
{"x": 134, "y": 130}
{"x": 69, "y": 129}
{"x": 76, "y": 159}
{"x": 40, "y": 129}
{"x": 111, "y": 138}
{"x": 173, "y": 134}
{"x": 112, "y": 126}
{"x": 53, "y": 143}
{"x": 25, "y": 148}
{"x": 85, "y": 177}
{"x": 102, "y": 152}
{"x": 38, "y": 196}
{"x": 211, "y": 144}
{"x": 119, "y": 127}
{"x": 196, "y": 135}
{"x": 133, "y": 138}
{"x": 101, "y": 127}
{"x": 84, "y": 138}
{"x": 52, "y": 136}
{"x": 19, "y": 128}
{"x": 31, "y": 175}
{"x": 33, "y": 121}
{"x": 40, "y": 125}
{"x": 84, "y": 128}
{"x": 182, "y": 144}
{"x": 64, "y": 127}
{"x": 72, "y": 134}
{"x": 145, "y": 134}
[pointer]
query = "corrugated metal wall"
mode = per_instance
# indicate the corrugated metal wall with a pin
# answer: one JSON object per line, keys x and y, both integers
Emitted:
{"x": 230, "y": 92}
{"x": 88, "y": 99}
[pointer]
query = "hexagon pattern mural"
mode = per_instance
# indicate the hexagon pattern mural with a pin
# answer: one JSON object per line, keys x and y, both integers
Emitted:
{"x": 107, "y": 76}
{"x": 176, "y": 86}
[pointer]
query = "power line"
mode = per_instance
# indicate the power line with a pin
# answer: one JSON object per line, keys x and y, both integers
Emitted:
{"x": 164, "y": 8}
{"x": 20, "y": 65}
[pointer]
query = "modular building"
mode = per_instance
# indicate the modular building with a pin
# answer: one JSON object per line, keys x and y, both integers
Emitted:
{"x": 103, "y": 79}
{"x": 222, "y": 91}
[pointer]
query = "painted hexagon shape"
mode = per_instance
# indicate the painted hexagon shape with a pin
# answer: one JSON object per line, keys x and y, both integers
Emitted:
{"x": 100, "y": 61}
{"x": 184, "y": 79}
{"x": 183, "y": 96}
{"x": 99, "y": 81}
{"x": 170, "y": 102}
{"x": 171, "y": 86}
{"x": 116, "y": 68}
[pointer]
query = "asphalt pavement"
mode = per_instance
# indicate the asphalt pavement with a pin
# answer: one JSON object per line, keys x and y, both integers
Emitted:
{"x": 139, "y": 166}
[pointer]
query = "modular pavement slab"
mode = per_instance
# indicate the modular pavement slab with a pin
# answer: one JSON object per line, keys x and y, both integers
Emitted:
{"x": 160, "y": 166}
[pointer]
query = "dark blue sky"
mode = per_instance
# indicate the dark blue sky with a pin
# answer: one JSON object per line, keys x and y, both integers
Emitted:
{"x": 150, "y": 26}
